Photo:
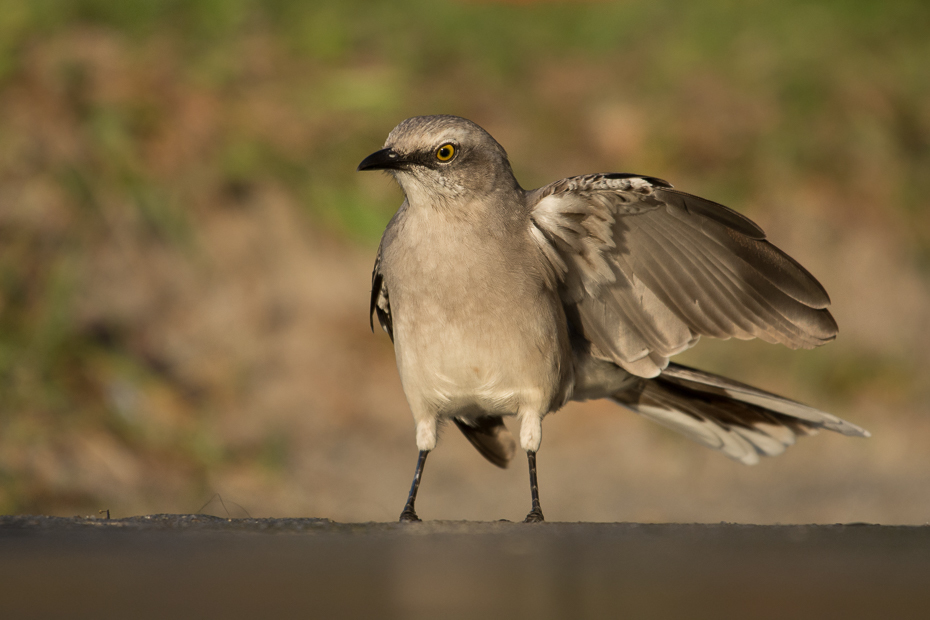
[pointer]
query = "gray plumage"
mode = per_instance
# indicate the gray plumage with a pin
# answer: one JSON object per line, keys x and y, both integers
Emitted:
{"x": 502, "y": 301}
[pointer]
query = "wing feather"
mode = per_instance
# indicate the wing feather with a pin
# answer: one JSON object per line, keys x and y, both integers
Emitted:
{"x": 380, "y": 302}
{"x": 647, "y": 270}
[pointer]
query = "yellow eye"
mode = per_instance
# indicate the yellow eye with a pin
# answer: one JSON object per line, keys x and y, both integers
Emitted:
{"x": 445, "y": 152}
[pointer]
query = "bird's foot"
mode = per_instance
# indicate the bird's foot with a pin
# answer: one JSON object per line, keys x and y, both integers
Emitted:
{"x": 535, "y": 516}
{"x": 409, "y": 515}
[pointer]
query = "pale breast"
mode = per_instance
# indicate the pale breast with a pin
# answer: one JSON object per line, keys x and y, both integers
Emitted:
{"x": 474, "y": 333}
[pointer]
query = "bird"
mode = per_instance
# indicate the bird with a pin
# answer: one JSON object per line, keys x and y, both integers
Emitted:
{"x": 503, "y": 302}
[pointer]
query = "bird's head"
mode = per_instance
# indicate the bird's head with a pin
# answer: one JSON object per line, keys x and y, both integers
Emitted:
{"x": 443, "y": 159}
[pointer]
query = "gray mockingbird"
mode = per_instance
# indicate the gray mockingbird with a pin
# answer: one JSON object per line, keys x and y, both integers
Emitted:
{"x": 507, "y": 302}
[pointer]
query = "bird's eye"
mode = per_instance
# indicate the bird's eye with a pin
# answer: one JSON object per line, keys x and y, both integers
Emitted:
{"x": 445, "y": 152}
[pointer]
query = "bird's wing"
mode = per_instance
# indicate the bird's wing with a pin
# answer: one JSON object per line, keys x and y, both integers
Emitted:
{"x": 380, "y": 302}
{"x": 645, "y": 270}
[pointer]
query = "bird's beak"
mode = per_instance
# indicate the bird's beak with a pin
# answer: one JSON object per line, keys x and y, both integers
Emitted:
{"x": 385, "y": 159}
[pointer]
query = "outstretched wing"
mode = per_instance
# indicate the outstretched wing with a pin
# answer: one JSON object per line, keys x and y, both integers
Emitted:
{"x": 645, "y": 270}
{"x": 380, "y": 303}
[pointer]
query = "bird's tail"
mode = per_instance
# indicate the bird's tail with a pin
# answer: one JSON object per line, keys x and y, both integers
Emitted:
{"x": 739, "y": 420}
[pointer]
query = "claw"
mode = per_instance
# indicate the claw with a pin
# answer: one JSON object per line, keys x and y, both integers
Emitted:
{"x": 409, "y": 516}
{"x": 535, "y": 516}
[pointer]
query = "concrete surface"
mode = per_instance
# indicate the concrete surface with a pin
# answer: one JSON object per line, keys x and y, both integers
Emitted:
{"x": 197, "y": 566}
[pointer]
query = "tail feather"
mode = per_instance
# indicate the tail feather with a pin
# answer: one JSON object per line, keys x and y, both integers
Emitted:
{"x": 739, "y": 420}
{"x": 490, "y": 437}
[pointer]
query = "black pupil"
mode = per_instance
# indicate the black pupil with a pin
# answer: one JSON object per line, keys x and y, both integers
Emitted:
{"x": 445, "y": 152}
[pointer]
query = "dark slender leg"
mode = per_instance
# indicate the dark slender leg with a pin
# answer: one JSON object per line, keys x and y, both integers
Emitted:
{"x": 536, "y": 514}
{"x": 409, "y": 514}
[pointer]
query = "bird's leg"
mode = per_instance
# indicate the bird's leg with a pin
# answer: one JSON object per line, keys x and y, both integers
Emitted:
{"x": 536, "y": 514}
{"x": 409, "y": 514}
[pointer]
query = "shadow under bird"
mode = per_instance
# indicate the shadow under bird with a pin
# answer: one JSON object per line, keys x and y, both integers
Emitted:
{"x": 507, "y": 302}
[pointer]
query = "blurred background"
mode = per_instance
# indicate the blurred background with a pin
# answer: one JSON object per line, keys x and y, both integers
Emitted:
{"x": 186, "y": 249}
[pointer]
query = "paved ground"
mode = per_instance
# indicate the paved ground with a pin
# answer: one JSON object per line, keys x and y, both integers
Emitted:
{"x": 199, "y": 566}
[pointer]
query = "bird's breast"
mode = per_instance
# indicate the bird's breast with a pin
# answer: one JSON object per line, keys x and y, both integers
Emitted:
{"x": 475, "y": 331}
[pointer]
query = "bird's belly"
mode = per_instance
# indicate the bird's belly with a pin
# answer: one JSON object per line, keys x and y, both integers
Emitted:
{"x": 463, "y": 366}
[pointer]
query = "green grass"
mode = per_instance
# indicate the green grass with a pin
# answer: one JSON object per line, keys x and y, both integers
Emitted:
{"x": 842, "y": 81}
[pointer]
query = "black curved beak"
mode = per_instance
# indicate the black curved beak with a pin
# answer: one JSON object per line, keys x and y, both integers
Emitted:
{"x": 385, "y": 159}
